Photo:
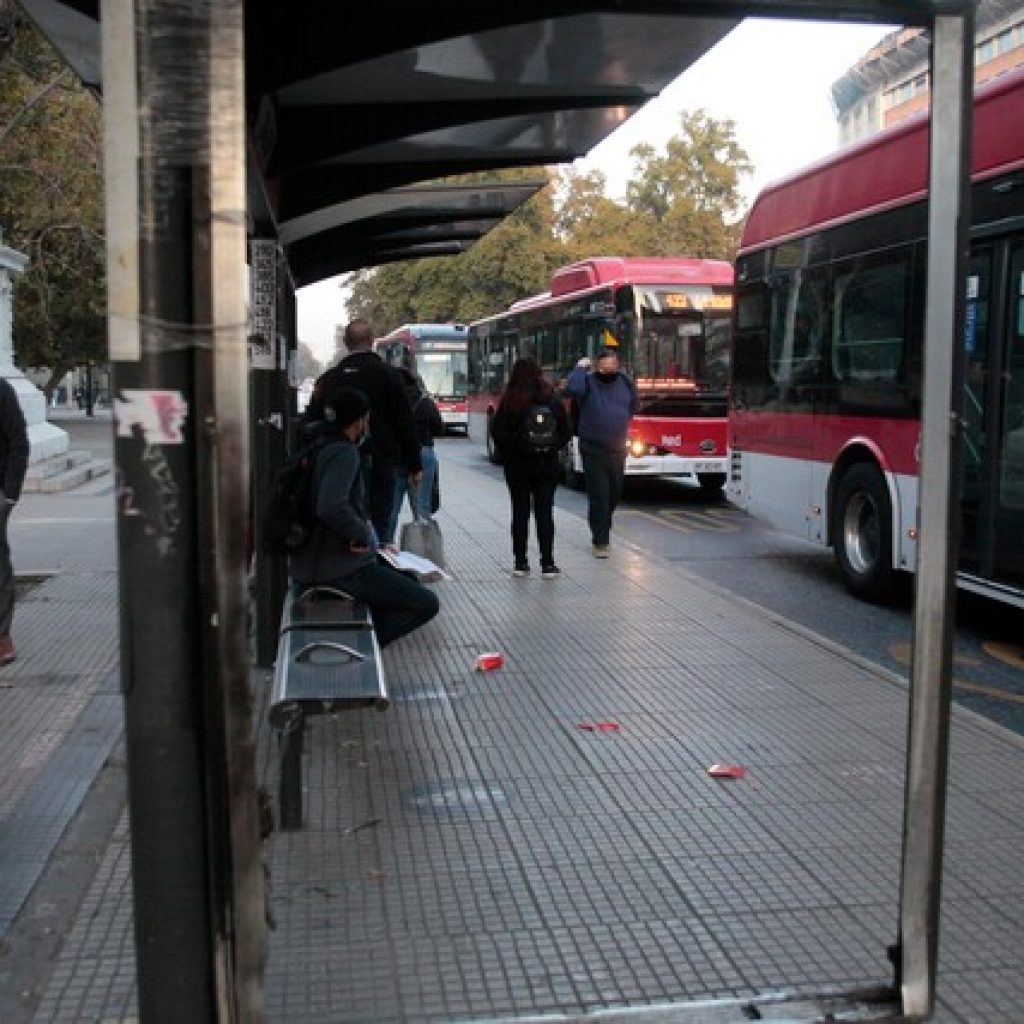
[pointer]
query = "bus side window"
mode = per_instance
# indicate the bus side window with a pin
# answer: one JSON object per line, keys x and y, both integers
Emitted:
{"x": 870, "y": 320}
{"x": 798, "y": 328}
{"x": 749, "y": 343}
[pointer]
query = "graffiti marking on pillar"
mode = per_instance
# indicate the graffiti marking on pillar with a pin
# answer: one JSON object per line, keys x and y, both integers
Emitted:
{"x": 167, "y": 491}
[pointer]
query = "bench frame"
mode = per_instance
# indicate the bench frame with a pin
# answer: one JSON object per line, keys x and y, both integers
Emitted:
{"x": 340, "y": 634}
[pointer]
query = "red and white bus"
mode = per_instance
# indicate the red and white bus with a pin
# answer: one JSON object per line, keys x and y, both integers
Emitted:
{"x": 670, "y": 319}
{"x": 825, "y": 400}
{"x": 436, "y": 353}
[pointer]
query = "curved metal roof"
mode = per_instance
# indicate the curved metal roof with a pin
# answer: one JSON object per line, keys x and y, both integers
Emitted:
{"x": 347, "y": 125}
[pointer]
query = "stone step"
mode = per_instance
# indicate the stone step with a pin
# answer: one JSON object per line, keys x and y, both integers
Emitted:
{"x": 56, "y": 464}
{"x": 68, "y": 478}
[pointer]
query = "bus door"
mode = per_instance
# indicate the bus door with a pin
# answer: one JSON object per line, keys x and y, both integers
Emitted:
{"x": 1007, "y": 492}
{"x": 796, "y": 366}
{"x": 975, "y": 468}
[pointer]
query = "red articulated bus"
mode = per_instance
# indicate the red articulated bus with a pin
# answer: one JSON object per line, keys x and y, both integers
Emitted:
{"x": 670, "y": 319}
{"x": 825, "y": 399}
{"x": 436, "y": 353}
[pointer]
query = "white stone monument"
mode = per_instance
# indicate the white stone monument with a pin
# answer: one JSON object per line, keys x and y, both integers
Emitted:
{"x": 46, "y": 439}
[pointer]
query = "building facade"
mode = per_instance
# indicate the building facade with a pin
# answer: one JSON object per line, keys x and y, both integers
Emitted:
{"x": 890, "y": 82}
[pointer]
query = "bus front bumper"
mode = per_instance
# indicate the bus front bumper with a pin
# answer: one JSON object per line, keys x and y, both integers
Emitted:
{"x": 674, "y": 465}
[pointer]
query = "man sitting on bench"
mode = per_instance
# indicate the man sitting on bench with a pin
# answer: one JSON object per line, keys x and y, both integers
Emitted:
{"x": 342, "y": 551}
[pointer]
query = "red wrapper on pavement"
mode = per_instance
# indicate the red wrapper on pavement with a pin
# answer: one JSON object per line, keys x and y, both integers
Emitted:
{"x": 489, "y": 662}
{"x": 727, "y": 771}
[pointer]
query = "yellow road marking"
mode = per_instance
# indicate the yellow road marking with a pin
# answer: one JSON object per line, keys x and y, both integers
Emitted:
{"x": 901, "y": 652}
{"x": 1009, "y": 654}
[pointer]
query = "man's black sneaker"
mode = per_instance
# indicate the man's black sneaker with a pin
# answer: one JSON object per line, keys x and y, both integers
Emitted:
{"x": 521, "y": 569}
{"x": 550, "y": 572}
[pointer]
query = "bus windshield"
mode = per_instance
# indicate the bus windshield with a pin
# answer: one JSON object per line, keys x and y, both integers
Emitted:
{"x": 691, "y": 348}
{"x": 443, "y": 373}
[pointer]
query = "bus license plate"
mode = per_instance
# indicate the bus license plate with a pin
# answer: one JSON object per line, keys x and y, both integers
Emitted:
{"x": 708, "y": 467}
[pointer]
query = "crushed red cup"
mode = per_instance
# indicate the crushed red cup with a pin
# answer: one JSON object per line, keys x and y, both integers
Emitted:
{"x": 727, "y": 771}
{"x": 489, "y": 661}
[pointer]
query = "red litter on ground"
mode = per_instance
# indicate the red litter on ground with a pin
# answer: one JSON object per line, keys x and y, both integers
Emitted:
{"x": 599, "y": 726}
{"x": 727, "y": 771}
{"x": 489, "y": 662}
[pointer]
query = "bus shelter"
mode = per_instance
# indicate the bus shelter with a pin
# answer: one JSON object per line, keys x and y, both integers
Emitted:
{"x": 292, "y": 141}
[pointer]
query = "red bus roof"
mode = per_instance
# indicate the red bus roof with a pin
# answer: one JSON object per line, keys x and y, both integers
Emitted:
{"x": 602, "y": 270}
{"x": 888, "y": 169}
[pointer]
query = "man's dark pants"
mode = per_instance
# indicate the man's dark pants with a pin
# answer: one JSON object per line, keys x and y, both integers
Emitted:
{"x": 399, "y": 604}
{"x": 379, "y": 485}
{"x": 603, "y": 473}
{"x": 6, "y": 573}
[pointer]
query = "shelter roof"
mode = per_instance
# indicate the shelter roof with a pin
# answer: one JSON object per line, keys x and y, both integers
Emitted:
{"x": 349, "y": 126}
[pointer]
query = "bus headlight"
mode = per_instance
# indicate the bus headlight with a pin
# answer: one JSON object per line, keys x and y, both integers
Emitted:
{"x": 637, "y": 448}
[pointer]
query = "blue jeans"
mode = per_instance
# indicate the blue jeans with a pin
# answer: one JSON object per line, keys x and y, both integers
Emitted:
{"x": 399, "y": 603}
{"x": 428, "y": 460}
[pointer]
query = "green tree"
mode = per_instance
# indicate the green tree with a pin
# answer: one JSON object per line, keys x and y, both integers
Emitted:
{"x": 691, "y": 191}
{"x": 51, "y": 206}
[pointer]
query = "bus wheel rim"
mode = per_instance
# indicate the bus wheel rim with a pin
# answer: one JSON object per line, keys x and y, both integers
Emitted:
{"x": 861, "y": 533}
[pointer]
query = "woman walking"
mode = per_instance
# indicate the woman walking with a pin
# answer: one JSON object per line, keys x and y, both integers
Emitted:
{"x": 529, "y": 428}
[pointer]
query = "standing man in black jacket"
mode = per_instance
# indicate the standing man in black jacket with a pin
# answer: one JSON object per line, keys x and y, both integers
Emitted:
{"x": 393, "y": 441}
{"x": 14, "y": 450}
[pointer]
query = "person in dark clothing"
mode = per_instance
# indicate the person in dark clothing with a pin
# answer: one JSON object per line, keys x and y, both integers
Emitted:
{"x": 531, "y": 474}
{"x": 14, "y": 451}
{"x": 342, "y": 551}
{"x": 429, "y": 424}
{"x": 392, "y": 439}
{"x": 607, "y": 401}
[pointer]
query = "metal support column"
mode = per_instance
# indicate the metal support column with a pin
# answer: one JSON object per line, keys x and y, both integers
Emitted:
{"x": 938, "y": 504}
{"x": 173, "y": 74}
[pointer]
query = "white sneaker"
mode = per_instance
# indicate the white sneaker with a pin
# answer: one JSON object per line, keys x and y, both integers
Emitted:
{"x": 601, "y": 551}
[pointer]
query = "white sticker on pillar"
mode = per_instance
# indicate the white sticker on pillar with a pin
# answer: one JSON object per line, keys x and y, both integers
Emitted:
{"x": 158, "y": 414}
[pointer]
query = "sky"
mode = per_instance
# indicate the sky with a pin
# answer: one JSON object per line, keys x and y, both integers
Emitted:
{"x": 771, "y": 78}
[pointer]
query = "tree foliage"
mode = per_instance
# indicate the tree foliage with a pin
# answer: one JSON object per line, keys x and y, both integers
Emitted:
{"x": 685, "y": 201}
{"x": 51, "y": 206}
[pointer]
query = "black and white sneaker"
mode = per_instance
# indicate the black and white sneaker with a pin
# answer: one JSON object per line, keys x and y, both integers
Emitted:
{"x": 550, "y": 572}
{"x": 521, "y": 569}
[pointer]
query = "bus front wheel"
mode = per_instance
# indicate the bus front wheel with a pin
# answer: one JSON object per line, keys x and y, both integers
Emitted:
{"x": 862, "y": 533}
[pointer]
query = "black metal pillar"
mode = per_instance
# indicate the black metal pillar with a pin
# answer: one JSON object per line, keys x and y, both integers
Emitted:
{"x": 174, "y": 156}
{"x": 268, "y": 384}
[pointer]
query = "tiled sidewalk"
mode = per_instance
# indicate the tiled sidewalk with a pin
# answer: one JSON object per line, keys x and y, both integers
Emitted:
{"x": 474, "y": 854}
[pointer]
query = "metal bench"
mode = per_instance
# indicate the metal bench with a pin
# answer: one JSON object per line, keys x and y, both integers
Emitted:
{"x": 327, "y": 661}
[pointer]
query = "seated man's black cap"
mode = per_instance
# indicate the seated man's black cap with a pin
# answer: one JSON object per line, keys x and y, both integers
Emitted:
{"x": 343, "y": 406}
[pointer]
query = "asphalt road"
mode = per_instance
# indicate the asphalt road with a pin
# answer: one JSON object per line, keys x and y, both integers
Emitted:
{"x": 712, "y": 539}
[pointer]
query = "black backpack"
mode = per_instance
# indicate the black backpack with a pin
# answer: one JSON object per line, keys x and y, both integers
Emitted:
{"x": 289, "y": 516}
{"x": 540, "y": 429}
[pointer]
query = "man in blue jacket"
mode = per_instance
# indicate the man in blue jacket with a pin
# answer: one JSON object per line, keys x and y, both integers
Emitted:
{"x": 14, "y": 451}
{"x": 606, "y": 400}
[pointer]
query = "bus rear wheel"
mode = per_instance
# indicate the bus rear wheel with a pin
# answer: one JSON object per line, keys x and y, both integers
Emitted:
{"x": 862, "y": 533}
{"x": 711, "y": 483}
